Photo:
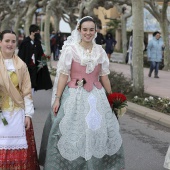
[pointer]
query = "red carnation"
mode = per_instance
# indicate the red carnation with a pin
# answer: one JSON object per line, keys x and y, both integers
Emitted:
{"x": 117, "y": 101}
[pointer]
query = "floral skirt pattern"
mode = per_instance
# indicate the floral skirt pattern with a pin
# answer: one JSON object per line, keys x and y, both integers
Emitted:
{"x": 51, "y": 158}
{"x": 21, "y": 159}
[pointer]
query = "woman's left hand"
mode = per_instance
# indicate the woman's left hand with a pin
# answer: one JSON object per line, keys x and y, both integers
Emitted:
{"x": 27, "y": 122}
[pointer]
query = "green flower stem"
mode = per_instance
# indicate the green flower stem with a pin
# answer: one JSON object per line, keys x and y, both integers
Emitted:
{"x": 4, "y": 121}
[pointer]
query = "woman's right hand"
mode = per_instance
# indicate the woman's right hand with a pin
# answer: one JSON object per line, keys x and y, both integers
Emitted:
{"x": 56, "y": 106}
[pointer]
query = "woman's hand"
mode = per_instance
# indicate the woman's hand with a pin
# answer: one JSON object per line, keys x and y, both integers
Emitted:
{"x": 27, "y": 122}
{"x": 56, "y": 106}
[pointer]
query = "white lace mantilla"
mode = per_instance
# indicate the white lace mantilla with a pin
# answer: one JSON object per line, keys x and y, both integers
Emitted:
{"x": 89, "y": 128}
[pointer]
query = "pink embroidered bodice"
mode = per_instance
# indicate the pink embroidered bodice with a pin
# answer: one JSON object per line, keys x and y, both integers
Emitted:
{"x": 78, "y": 72}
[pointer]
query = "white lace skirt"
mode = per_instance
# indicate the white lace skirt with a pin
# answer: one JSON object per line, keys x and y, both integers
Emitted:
{"x": 88, "y": 128}
{"x": 13, "y": 135}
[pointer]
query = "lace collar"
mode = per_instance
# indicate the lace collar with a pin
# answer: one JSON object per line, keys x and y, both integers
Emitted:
{"x": 88, "y": 59}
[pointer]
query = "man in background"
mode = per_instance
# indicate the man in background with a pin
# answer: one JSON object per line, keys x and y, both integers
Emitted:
{"x": 30, "y": 51}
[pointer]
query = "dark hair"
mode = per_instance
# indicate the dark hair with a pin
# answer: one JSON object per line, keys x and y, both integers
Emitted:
{"x": 6, "y": 32}
{"x": 33, "y": 28}
{"x": 107, "y": 35}
{"x": 156, "y": 32}
{"x": 84, "y": 20}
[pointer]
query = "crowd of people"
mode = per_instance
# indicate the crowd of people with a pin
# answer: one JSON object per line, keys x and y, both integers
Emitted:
{"x": 81, "y": 131}
{"x": 56, "y": 43}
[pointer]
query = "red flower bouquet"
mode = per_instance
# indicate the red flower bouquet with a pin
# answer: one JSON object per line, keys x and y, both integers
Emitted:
{"x": 45, "y": 57}
{"x": 43, "y": 62}
{"x": 118, "y": 103}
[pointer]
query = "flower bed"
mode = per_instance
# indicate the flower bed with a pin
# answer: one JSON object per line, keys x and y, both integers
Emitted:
{"x": 124, "y": 85}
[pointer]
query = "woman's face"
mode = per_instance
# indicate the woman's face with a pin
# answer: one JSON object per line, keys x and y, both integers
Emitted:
{"x": 87, "y": 31}
{"x": 8, "y": 43}
{"x": 157, "y": 36}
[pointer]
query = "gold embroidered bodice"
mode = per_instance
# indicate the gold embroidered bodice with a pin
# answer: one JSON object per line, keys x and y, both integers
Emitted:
{"x": 7, "y": 104}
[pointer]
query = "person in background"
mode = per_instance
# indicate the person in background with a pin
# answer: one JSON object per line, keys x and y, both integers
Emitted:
{"x": 17, "y": 143}
{"x": 64, "y": 38}
{"x": 59, "y": 44}
{"x": 110, "y": 44}
{"x": 30, "y": 51}
{"x": 82, "y": 132}
{"x": 154, "y": 53}
{"x": 53, "y": 44}
{"x": 99, "y": 39}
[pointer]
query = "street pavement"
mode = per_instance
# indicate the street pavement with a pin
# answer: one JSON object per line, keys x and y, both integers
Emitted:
{"x": 145, "y": 143}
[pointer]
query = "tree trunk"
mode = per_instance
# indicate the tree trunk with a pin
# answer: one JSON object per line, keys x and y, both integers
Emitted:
{"x": 165, "y": 34}
{"x": 124, "y": 37}
{"x": 89, "y": 6}
{"x": 118, "y": 38}
{"x": 72, "y": 24}
{"x": 28, "y": 18}
{"x": 18, "y": 19}
{"x": 56, "y": 22}
{"x": 137, "y": 55}
{"x": 124, "y": 34}
{"x": 5, "y": 22}
{"x": 16, "y": 26}
{"x": 47, "y": 30}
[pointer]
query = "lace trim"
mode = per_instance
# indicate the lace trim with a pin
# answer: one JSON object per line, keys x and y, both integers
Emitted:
{"x": 77, "y": 139}
{"x": 104, "y": 73}
{"x": 25, "y": 146}
{"x": 79, "y": 54}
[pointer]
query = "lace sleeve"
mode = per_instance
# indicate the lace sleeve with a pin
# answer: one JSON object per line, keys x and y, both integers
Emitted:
{"x": 64, "y": 64}
{"x": 105, "y": 64}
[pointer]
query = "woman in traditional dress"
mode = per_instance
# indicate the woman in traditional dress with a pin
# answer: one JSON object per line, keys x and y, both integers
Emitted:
{"x": 17, "y": 143}
{"x": 81, "y": 130}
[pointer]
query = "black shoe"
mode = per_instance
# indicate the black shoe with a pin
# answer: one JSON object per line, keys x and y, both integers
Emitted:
{"x": 149, "y": 75}
{"x": 156, "y": 77}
